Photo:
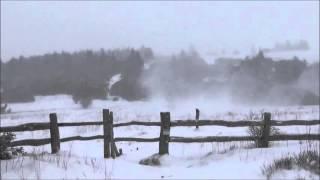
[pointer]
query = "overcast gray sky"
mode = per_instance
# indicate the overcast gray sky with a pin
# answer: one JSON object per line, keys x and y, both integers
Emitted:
{"x": 29, "y": 28}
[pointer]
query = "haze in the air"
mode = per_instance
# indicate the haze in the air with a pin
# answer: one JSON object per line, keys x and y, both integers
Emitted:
{"x": 29, "y": 28}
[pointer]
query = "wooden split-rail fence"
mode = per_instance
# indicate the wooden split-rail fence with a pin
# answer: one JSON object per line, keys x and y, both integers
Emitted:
{"x": 110, "y": 149}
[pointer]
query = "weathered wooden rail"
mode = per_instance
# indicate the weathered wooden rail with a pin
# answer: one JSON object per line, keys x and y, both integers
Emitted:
{"x": 46, "y": 126}
{"x": 110, "y": 149}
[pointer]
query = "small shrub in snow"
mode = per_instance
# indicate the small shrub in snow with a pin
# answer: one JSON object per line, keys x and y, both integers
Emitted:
{"x": 256, "y": 131}
{"x": 7, "y": 152}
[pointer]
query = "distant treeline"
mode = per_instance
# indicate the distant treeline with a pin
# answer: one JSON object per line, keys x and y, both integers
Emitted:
{"x": 85, "y": 75}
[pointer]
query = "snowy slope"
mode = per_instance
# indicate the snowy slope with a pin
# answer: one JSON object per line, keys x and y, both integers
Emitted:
{"x": 233, "y": 160}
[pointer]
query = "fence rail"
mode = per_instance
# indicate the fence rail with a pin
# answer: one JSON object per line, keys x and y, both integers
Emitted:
{"x": 244, "y": 138}
{"x": 46, "y": 126}
{"x": 110, "y": 149}
{"x": 39, "y": 142}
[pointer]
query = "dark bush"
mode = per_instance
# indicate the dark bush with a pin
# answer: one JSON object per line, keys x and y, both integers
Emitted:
{"x": 7, "y": 152}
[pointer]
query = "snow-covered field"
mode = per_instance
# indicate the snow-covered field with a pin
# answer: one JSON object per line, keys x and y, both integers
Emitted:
{"x": 84, "y": 159}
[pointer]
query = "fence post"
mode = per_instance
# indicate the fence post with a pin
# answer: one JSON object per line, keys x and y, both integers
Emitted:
{"x": 106, "y": 133}
{"x": 54, "y": 133}
{"x": 112, "y": 146}
{"x": 197, "y": 118}
{"x": 264, "y": 141}
{"x": 114, "y": 150}
{"x": 164, "y": 133}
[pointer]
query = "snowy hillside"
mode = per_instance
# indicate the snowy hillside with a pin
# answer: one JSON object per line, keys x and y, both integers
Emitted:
{"x": 84, "y": 159}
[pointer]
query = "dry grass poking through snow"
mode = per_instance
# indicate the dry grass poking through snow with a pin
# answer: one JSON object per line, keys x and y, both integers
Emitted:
{"x": 308, "y": 160}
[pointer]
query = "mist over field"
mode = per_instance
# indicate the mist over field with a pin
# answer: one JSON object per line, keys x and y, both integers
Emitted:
{"x": 143, "y": 75}
{"x": 159, "y": 90}
{"x": 257, "y": 65}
